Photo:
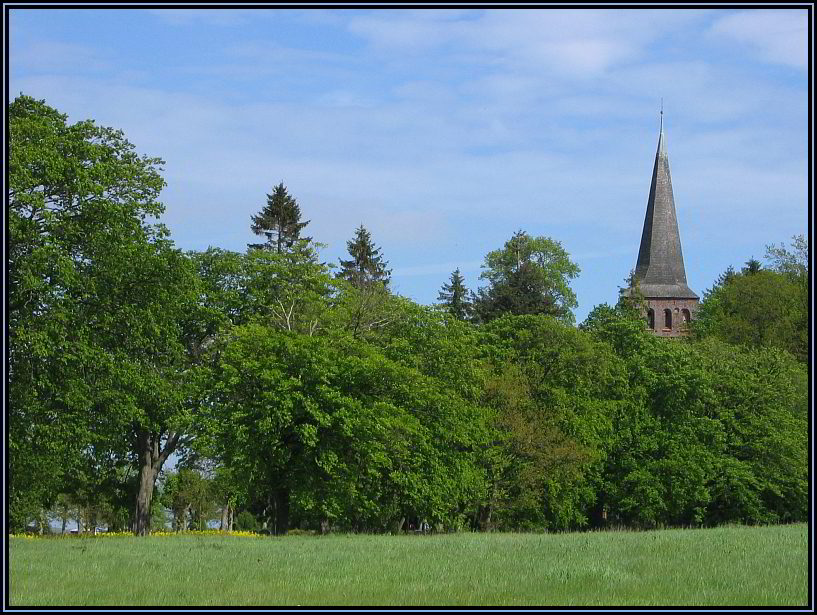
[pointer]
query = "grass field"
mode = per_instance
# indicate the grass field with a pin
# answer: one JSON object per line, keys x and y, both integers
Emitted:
{"x": 722, "y": 566}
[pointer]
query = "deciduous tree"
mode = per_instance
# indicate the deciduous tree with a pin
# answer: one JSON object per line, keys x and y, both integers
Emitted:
{"x": 99, "y": 300}
{"x": 529, "y": 275}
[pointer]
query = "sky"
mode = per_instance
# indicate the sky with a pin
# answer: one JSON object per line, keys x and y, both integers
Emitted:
{"x": 445, "y": 131}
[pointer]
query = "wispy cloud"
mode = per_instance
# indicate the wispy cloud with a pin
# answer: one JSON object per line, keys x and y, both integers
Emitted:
{"x": 44, "y": 56}
{"x": 571, "y": 43}
{"x": 778, "y": 36}
{"x": 444, "y": 132}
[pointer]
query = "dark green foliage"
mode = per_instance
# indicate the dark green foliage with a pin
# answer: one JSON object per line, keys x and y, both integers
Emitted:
{"x": 364, "y": 304}
{"x": 752, "y": 266}
{"x": 554, "y": 389}
{"x": 454, "y": 297}
{"x": 529, "y": 275}
{"x": 279, "y": 221}
{"x": 366, "y": 267}
{"x": 246, "y": 522}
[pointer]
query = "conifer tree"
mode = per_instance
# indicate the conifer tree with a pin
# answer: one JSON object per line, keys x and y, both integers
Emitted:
{"x": 454, "y": 296}
{"x": 279, "y": 221}
{"x": 752, "y": 266}
{"x": 366, "y": 266}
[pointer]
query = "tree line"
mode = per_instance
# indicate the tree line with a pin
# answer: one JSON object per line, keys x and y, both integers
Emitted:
{"x": 299, "y": 394}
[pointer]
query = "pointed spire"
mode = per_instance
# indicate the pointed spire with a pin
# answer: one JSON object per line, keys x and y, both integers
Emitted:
{"x": 660, "y": 268}
{"x": 661, "y": 148}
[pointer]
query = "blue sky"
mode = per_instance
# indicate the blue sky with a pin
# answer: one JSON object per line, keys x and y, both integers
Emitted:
{"x": 444, "y": 131}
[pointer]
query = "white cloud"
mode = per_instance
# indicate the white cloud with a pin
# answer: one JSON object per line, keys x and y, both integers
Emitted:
{"x": 42, "y": 56}
{"x": 778, "y": 36}
{"x": 493, "y": 121}
{"x": 571, "y": 43}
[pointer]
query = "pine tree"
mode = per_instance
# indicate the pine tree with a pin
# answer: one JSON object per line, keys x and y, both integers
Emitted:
{"x": 752, "y": 266}
{"x": 726, "y": 277}
{"x": 279, "y": 221}
{"x": 454, "y": 296}
{"x": 366, "y": 266}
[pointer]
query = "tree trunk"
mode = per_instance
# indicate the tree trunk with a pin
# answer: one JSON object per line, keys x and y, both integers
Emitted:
{"x": 281, "y": 511}
{"x": 225, "y": 513}
{"x": 144, "y": 497}
{"x": 267, "y": 516}
{"x": 485, "y": 514}
{"x": 151, "y": 459}
{"x": 232, "y": 517}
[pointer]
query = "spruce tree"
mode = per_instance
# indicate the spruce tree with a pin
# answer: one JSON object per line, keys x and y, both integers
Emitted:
{"x": 752, "y": 266}
{"x": 454, "y": 296}
{"x": 279, "y": 221}
{"x": 366, "y": 267}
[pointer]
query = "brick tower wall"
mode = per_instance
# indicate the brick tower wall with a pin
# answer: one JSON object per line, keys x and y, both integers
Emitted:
{"x": 676, "y": 307}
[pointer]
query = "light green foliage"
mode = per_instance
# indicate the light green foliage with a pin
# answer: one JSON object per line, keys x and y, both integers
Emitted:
{"x": 761, "y": 400}
{"x": 794, "y": 262}
{"x": 289, "y": 290}
{"x": 437, "y": 344}
{"x": 363, "y": 303}
{"x": 761, "y": 307}
{"x": 353, "y": 437}
{"x": 98, "y": 300}
{"x": 708, "y": 433}
{"x": 190, "y": 495}
{"x": 765, "y": 566}
{"x": 361, "y": 312}
{"x": 330, "y": 403}
{"x": 222, "y": 288}
{"x": 764, "y": 309}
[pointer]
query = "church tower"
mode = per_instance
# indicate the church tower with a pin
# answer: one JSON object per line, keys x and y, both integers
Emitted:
{"x": 660, "y": 277}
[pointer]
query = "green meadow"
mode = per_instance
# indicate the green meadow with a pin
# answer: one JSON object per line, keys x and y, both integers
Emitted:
{"x": 700, "y": 567}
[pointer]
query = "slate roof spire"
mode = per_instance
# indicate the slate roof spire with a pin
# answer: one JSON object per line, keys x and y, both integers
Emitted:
{"x": 660, "y": 268}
